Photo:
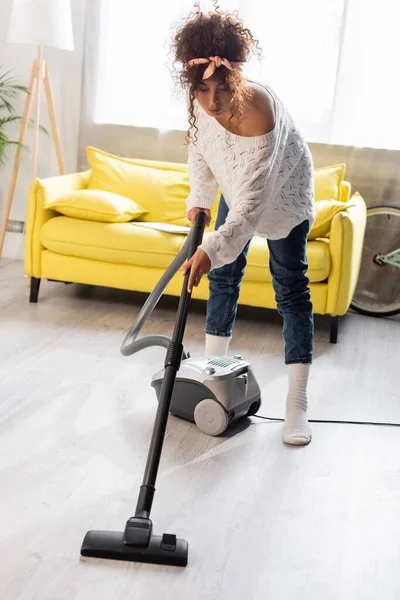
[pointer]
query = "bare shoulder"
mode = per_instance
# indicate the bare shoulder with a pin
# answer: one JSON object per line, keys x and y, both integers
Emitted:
{"x": 260, "y": 117}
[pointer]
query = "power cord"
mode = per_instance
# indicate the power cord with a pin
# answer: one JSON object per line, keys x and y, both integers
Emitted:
{"x": 339, "y": 422}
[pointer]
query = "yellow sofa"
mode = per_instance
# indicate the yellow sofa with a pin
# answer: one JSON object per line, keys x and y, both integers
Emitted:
{"x": 127, "y": 256}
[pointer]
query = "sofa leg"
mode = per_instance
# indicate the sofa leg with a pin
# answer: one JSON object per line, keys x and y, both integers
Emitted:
{"x": 334, "y": 330}
{"x": 35, "y": 284}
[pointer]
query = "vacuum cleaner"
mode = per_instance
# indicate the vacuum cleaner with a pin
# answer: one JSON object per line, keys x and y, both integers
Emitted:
{"x": 210, "y": 391}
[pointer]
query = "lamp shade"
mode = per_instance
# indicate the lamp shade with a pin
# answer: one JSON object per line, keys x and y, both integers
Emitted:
{"x": 41, "y": 23}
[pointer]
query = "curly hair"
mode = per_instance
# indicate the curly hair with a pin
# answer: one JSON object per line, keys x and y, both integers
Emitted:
{"x": 215, "y": 33}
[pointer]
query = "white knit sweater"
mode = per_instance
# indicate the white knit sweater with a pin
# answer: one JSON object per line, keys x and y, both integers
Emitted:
{"x": 267, "y": 181}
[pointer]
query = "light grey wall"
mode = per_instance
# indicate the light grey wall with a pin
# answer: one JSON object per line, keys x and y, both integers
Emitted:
{"x": 372, "y": 172}
{"x": 133, "y": 142}
{"x": 66, "y": 77}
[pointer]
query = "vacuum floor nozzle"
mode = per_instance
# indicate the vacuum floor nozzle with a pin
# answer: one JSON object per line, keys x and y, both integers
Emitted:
{"x": 164, "y": 549}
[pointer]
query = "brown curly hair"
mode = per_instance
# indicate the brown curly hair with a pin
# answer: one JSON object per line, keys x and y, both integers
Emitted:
{"x": 215, "y": 33}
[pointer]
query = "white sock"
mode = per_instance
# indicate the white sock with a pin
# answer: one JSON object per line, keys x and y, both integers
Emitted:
{"x": 297, "y": 430}
{"x": 217, "y": 345}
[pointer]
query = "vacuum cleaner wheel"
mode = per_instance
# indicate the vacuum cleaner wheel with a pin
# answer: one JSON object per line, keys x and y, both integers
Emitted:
{"x": 254, "y": 408}
{"x": 210, "y": 417}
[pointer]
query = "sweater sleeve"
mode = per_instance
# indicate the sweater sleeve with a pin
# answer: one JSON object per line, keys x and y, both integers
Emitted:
{"x": 254, "y": 195}
{"x": 224, "y": 245}
{"x": 203, "y": 185}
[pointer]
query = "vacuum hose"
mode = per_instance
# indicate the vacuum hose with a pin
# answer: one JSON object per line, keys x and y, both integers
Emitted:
{"x": 130, "y": 344}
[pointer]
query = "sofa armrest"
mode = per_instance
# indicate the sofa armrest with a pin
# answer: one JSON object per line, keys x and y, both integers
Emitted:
{"x": 346, "y": 245}
{"x": 40, "y": 192}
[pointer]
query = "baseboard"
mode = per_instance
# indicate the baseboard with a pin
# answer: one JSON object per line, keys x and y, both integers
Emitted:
{"x": 16, "y": 226}
{"x": 14, "y": 246}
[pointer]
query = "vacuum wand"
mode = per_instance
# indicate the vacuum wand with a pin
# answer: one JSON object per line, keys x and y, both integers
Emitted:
{"x": 172, "y": 363}
{"x": 137, "y": 543}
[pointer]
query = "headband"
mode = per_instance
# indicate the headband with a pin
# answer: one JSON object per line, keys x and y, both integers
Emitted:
{"x": 214, "y": 63}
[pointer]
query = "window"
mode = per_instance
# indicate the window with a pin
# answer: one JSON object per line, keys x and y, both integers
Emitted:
{"x": 333, "y": 63}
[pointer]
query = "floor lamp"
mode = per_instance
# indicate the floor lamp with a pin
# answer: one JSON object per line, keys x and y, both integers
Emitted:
{"x": 40, "y": 23}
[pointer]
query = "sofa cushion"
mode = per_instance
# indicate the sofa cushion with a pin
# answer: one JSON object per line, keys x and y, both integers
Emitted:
{"x": 328, "y": 182}
{"x": 160, "y": 187}
{"x": 325, "y": 210}
{"x": 127, "y": 243}
{"x": 96, "y": 205}
{"x": 123, "y": 243}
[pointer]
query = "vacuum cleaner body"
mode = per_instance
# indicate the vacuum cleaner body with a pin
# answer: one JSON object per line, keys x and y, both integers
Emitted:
{"x": 213, "y": 392}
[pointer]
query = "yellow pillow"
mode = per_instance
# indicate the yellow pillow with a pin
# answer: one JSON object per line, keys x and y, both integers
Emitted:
{"x": 328, "y": 182}
{"x": 95, "y": 205}
{"x": 325, "y": 210}
{"x": 160, "y": 187}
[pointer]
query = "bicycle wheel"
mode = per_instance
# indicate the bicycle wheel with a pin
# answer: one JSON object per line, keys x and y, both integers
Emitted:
{"x": 378, "y": 287}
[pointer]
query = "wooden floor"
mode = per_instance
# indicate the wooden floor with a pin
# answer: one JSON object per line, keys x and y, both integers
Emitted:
{"x": 264, "y": 521}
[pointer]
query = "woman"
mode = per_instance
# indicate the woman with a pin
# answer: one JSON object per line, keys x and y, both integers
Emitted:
{"x": 242, "y": 140}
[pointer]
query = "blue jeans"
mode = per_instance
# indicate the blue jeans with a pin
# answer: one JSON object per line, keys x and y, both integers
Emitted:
{"x": 288, "y": 266}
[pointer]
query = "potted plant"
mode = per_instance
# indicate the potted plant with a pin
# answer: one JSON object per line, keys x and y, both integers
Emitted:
{"x": 10, "y": 90}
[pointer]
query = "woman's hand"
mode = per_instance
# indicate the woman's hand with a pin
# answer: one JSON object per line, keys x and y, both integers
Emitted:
{"x": 193, "y": 212}
{"x": 199, "y": 265}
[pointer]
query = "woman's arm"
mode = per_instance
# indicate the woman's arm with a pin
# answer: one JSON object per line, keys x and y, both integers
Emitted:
{"x": 264, "y": 174}
{"x": 224, "y": 245}
{"x": 203, "y": 186}
{"x": 258, "y": 181}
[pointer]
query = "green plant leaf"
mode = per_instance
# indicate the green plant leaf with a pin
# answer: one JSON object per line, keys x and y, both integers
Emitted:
{"x": 10, "y": 86}
{"x": 10, "y": 91}
{"x": 5, "y": 103}
{"x": 9, "y": 119}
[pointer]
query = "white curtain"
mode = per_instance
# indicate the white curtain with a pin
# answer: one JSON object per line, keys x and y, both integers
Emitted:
{"x": 334, "y": 63}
